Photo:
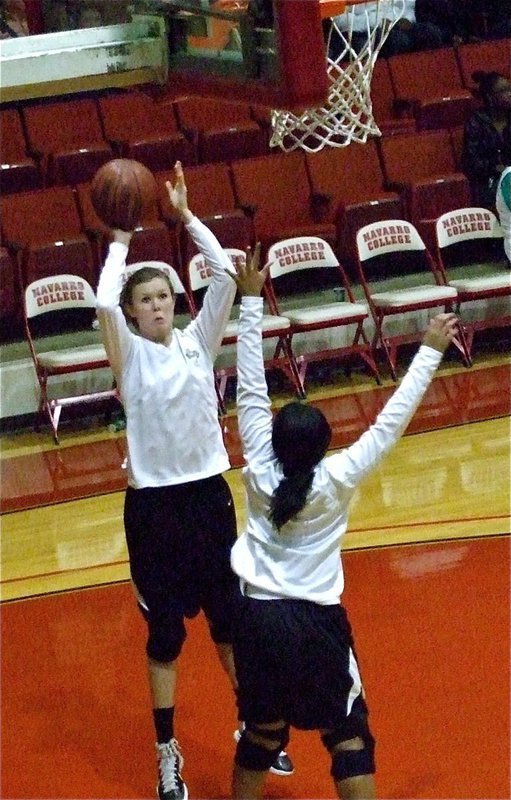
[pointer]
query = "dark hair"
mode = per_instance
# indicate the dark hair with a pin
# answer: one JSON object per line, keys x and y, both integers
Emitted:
{"x": 142, "y": 275}
{"x": 487, "y": 82}
{"x": 300, "y": 438}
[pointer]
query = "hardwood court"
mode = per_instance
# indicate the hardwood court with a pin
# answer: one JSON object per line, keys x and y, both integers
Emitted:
{"x": 427, "y": 571}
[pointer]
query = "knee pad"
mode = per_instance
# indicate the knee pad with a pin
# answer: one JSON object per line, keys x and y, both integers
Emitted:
{"x": 258, "y": 757}
{"x": 165, "y": 640}
{"x": 347, "y": 763}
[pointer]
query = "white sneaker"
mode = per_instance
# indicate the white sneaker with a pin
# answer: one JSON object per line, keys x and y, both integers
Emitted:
{"x": 170, "y": 763}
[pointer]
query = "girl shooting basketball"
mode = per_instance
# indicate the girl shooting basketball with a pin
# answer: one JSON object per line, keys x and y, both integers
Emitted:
{"x": 178, "y": 514}
{"x": 293, "y": 648}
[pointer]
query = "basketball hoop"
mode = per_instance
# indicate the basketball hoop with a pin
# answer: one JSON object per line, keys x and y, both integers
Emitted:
{"x": 347, "y": 114}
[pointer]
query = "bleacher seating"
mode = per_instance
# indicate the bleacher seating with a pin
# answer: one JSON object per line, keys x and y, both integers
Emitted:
{"x": 276, "y": 192}
{"x": 68, "y": 138}
{"x": 138, "y": 127}
{"x": 223, "y": 131}
{"x": 45, "y": 228}
{"x": 19, "y": 171}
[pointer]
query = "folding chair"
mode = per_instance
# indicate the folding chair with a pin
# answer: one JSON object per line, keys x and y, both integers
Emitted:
{"x": 53, "y": 305}
{"x": 274, "y": 327}
{"x": 383, "y": 253}
{"x": 299, "y": 269}
{"x": 477, "y": 273}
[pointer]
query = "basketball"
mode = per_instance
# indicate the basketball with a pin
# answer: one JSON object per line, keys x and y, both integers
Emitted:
{"x": 122, "y": 191}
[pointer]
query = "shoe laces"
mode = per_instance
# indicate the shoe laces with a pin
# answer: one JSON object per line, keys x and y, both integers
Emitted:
{"x": 170, "y": 765}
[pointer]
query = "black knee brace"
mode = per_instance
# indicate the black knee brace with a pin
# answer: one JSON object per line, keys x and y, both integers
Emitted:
{"x": 350, "y": 763}
{"x": 257, "y": 757}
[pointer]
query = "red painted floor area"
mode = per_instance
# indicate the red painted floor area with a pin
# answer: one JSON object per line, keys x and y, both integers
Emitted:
{"x": 90, "y": 469}
{"x": 431, "y": 624}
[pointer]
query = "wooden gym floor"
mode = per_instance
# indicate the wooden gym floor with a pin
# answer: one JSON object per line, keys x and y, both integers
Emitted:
{"x": 427, "y": 570}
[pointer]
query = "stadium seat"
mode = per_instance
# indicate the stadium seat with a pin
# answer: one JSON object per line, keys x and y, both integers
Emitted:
{"x": 138, "y": 127}
{"x": 68, "y": 138}
{"x": 152, "y": 238}
{"x": 391, "y": 116}
{"x": 223, "y": 131}
{"x": 422, "y": 165}
{"x": 300, "y": 269}
{"x": 470, "y": 253}
{"x": 400, "y": 280}
{"x": 44, "y": 226}
{"x": 274, "y": 327}
{"x": 18, "y": 170}
{"x": 276, "y": 192}
{"x": 492, "y": 56}
{"x": 430, "y": 82}
{"x": 211, "y": 198}
{"x": 55, "y": 305}
{"x": 349, "y": 181}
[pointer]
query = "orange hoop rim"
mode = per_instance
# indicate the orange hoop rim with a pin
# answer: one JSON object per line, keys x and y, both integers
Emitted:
{"x": 332, "y": 8}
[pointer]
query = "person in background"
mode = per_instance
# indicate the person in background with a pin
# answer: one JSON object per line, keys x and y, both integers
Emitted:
{"x": 487, "y": 137}
{"x": 293, "y": 647}
{"x": 179, "y": 514}
{"x": 451, "y": 17}
{"x": 13, "y": 19}
{"x": 407, "y": 35}
{"x": 504, "y": 207}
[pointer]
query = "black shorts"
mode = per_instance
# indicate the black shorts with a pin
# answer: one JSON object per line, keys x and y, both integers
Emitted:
{"x": 179, "y": 541}
{"x": 295, "y": 662}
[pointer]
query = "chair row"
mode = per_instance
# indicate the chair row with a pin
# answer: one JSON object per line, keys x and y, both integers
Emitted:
{"x": 65, "y": 141}
{"x": 310, "y": 299}
{"x": 330, "y": 194}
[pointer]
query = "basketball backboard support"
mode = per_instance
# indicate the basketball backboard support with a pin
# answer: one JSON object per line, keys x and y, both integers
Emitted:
{"x": 267, "y": 52}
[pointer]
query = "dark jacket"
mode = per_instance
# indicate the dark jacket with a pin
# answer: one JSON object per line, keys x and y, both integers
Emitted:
{"x": 483, "y": 149}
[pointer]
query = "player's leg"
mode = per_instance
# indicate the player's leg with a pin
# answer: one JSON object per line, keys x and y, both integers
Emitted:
{"x": 258, "y": 747}
{"x": 351, "y": 747}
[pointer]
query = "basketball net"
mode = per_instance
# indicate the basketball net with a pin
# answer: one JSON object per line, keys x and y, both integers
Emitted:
{"x": 347, "y": 114}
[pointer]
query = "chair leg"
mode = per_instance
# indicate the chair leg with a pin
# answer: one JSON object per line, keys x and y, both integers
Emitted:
{"x": 294, "y": 372}
{"x": 54, "y": 410}
{"x": 389, "y": 350}
{"x": 366, "y": 351}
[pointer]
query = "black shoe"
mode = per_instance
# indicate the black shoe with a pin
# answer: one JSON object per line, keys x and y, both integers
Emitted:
{"x": 170, "y": 763}
{"x": 282, "y": 765}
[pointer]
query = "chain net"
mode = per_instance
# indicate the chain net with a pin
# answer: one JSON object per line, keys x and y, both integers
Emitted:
{"x": 347, "y": 114}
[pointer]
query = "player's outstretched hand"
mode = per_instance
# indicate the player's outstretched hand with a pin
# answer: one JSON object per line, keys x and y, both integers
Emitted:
{"x": 441, "y": 331}
{"x": 178, "y": 193}
{"x": 249, "y": 278}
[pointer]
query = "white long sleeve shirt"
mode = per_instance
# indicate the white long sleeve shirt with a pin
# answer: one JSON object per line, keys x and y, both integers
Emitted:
{"x": 168, "y": 392}
{"x": 302, "y": 560}
{"x": 503, "y": 203}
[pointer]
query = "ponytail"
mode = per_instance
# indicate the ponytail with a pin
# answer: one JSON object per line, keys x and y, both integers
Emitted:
{"x": 300, "y": 438}
{"x": 290, "y": 497}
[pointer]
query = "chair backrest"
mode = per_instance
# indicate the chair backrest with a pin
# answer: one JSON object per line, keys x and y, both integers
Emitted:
{"x": 209, "y": 190}
{"x": 203, "y": 113}
{"x": 492, "y": 56}
{"x": 133, "y": 115}
{"x": 277, "y": 189}
{"x": 466, "y": 224}
{"x": 199, "y": 274}
{"x": 348, "y": 174}
{"x": 425, "y": 74}
{"x": 300, "y": 253}
{"x": 14, "y": 145}
{"x": 414, "y": 156}
{"x": 41, "y": 216}
{"x": 69, "y": 124}
{"x": 389, "y": 236}
{"x": 58, "y": 293}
